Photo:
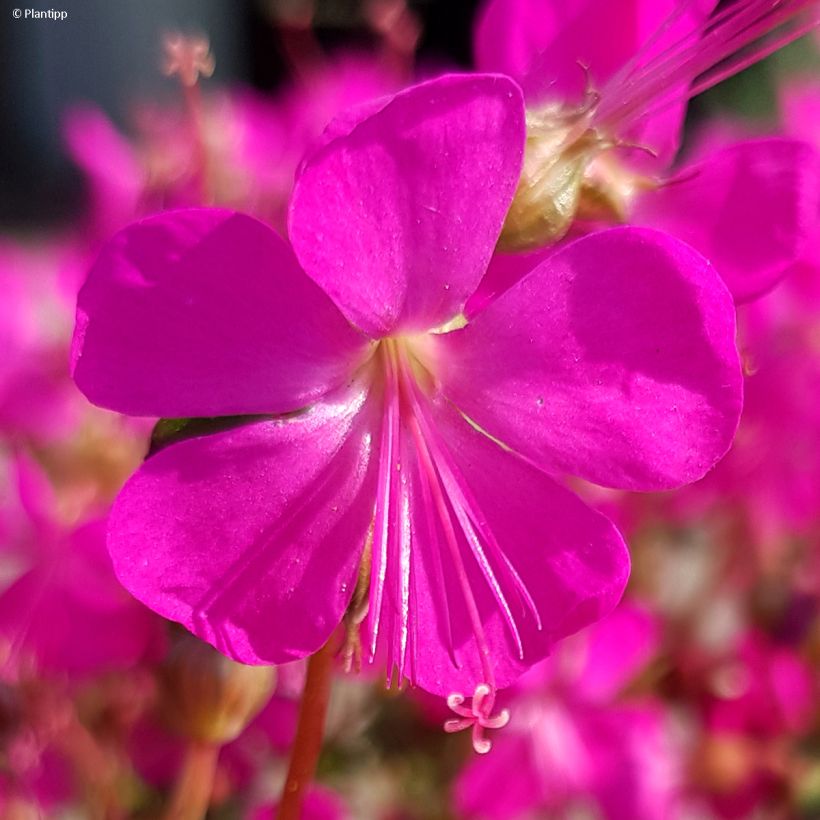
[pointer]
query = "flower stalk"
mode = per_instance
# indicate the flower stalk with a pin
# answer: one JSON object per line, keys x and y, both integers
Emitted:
{"x": 309, "y": 734}
{"x": 192, "y": 791}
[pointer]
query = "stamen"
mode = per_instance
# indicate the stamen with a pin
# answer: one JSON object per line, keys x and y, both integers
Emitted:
{"x": 430, "y": 473}
{"x": 476, "y": 716}
{"x": 469, "y": 513}
{"x": 392, "y": 541}
{"x": 386, "y": 490}
{"x": 470, "y": 535}
{"x": 189, "y": 58}
{"x": 456, "y": 486}
{"x": 399, "y": 30}
{"x": 698, "y": 59}
{"x": 438, "y": 569}
{"x": 301, "y": 51}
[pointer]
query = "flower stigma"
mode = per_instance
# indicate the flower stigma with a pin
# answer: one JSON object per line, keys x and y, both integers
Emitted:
{"x": 477, "y": 716}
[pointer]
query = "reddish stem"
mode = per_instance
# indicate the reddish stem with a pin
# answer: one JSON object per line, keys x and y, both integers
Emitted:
{"x": 196, "y": 118}
{"x": 309, "y": 733}
{"x": 192, "y": 791}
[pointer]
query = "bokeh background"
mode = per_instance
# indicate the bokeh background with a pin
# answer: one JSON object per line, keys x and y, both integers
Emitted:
{"x": 697, "y": 699}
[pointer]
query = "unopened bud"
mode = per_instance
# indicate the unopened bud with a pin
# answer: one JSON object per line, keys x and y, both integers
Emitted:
{"x": 570, "y": 173}
{"x": 557, "y": 154}
{"x": 210, "y": 698}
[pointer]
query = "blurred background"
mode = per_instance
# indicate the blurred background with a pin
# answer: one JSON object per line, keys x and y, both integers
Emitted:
{"x": 696, "y": 699}
{"x": 109, "y": 54}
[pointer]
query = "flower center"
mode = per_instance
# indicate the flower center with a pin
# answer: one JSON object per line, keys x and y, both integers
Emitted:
{"x": 424, "y": 506}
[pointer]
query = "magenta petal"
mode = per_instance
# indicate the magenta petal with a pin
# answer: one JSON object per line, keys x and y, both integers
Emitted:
{"x": 398, "y": 218}
{"x": 116, "y": 178}
{"x": 504, "y": 785}
{"x": 251, "y": 538}
{"x": 614, "y": 360}
{"x": 71, "y": 616}
{"x": 504, "y": 270}
{"x": 750, "y": 209}
{"x": 615, "y": 651}
{"x": 636, "y": 766}
{"x": 539, "y": 540}
{"x": 204, "y": 313}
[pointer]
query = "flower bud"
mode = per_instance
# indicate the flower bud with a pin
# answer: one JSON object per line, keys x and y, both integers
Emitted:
{"x": 210, "y": 698}
{"x": 558, "y": 151}
{"x": 725, "y": 763}
{"x": 569, "y": 173}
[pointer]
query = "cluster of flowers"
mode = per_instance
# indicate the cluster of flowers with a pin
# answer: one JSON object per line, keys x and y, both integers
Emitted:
{"x": 389, "y": 359}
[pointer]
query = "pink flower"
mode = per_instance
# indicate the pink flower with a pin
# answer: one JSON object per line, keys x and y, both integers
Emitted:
{"x": 389, "y": 441}
{"x": 770, "y": 480}
{"x": 572, "y": 743}
{"x": 750, "y": 208}
{"x": 36, "y": 394}
{"x": 251, "y": 145}
{"x": 65, "y": 587}
{"x": 760, "y": 702}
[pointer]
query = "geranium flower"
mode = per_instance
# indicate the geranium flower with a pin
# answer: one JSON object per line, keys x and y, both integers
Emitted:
{"x": 64, "y": 583}
{"x": 394, "y": 448}
{"x": 770, "y": 481}
{"x": 575, "y": 740}
{"x": 758, "y": 706}
{"x": 250, "y": 145}
{"x": 601, "y": 139}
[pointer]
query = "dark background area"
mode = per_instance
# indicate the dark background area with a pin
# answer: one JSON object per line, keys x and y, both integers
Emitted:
{"x": 107, "y": 52}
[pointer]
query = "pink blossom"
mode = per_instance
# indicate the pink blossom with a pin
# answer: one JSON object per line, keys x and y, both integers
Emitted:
{"x": 750, "y": 207}
{"x": 760, "y": 701}
{"x": 65, "y": 586}
{"x": 770, "y": 481}
{"x": 571, "y": 742}
{"x": 391, "y": 439}
{"x": 252, "y": 145}
{"x": 36, "y": 394}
